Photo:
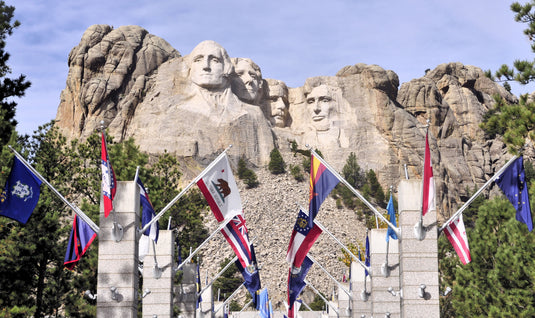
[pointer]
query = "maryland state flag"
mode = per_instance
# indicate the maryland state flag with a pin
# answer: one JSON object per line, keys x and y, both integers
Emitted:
{"x": 21, "y": 193}
{"x": 322, "y": 182}
{"x": 81, "y": 237}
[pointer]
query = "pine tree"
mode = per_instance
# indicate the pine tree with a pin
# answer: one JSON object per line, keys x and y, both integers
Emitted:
{"x": 276, "y": 163}
{"x": 9, "y": 87}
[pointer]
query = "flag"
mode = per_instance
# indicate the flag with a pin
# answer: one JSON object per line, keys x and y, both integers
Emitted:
{"x": 262, "y": 304}
{"x": 21, "y": 193}
{"x": 235, "y": 232}
{"x": 82, "y": 235}
{"x": 296, "y": 283}
{"x": 392, "y": 218}
{"x": 109, "y": 183}
{"x": 302, "y": 239}
{"x": 225, "y": 311}
{"x": 513, "y": 184}
{"x": 198, "y": 285}
{"x": 428, "y": 192}
{"x": 322, "y": 181}
{"x": 456, "y": 234}
{"x": 250, "y": 275}
{"x": 147, "y": 215}
{"x": 220, "y": 190}
{"x": 367, "y": 253}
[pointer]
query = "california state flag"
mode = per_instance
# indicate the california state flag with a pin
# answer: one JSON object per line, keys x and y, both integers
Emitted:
{"x": 456, "y": 234}
{"x": 219, "y": 188}
{"x": 428, "y": 193}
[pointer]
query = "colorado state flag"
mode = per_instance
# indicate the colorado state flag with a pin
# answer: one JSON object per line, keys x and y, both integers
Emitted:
{"x": 322, "y": 182}
{"x": 21, "y": 193}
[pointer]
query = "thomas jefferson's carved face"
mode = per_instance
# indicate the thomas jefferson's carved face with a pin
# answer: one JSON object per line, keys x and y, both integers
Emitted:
{"x": 207, "y": 66}
{"x": 248, "y": 82}
{"x": 278, "y": 102}
{"x": 320, "y": 106}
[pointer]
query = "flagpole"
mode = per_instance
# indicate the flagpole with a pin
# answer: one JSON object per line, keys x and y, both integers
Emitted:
{"x": 229, "y": 298}
{"x": 330, "y": 276}
{"x": 76, "y": 210}
{"x": 170, "y": 204}
{"x": 221, "y": 225}
{"x": 478, "y": 192}
{"x": 321, "y": 296}
{"x": 355, "y": 192}
{"x": 419, "y": 227}
{"x": 343, "y": 246}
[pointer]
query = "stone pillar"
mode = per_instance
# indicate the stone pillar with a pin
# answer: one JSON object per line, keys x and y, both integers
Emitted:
{"x": 344, "y": 306}
{"x": 385, "y": 295}
{"x": 207, "y": 304}
{"x": 360, "y": 307}
{"x": 418, "y": 259}
{"x": 186, "y": 291}
{"x": 160, "y": 299}
{"x": 118, "y": 261}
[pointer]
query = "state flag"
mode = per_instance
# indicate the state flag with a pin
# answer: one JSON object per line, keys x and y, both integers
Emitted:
{"x": 147, "y": 215}
{"x": 109, "y": 182}
{"x": 456, "y": 234}
{"x": 513, "y": 184}
{"x": 80, "y": 239}
{"x": 390, "y": 233}
{"x": 302, "y": 239}
{"x": 20, "y": 194}
{"x": 428, "y": 192}
{"x": 322, "y": 182}
{"x": 296, "y": 283}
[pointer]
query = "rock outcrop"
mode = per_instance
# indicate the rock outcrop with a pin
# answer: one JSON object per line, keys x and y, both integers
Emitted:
{"x": 141, "y": 87}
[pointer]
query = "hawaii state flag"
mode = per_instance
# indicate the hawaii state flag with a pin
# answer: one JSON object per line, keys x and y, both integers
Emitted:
{"x": 220, "y": 190}
{"x": 109, "y": 183}
{"x": 513, "y": 184}
{"x": 456, "y": 234}
{"x": 82, "y": 235}
{"x": 296, "y": 283}
{"x": 322, "y": 182}
{"x": 236, "y": 234}
{"x": 21, "y": 193}
{"x": 428, "y": 192}
{"x": 302, "y": 239}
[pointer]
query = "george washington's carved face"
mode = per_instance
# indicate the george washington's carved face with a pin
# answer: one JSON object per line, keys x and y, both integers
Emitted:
{"x": 208, "y": 66}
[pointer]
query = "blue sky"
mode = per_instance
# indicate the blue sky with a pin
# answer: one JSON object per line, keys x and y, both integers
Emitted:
{"x": 289, "y": 40}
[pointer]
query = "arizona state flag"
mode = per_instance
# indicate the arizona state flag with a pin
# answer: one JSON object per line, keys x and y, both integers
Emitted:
{"x": 322, "y": 182}
{"x": 220, "y": 190}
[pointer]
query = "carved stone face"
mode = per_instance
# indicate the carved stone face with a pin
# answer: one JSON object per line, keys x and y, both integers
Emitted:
{"x": 208, "y": 66}
{"x": 320, "y": 105}
{"x": 247, "y": 83}
{"x": 278, "y": 101}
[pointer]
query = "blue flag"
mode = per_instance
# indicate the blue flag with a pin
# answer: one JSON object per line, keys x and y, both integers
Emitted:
{"x": 148, "y": 213}
{"x": 392, "y": 215}
{"x": 82, "y": 235}
{"x": 250, "y": 275}
{"x": 296, "y": 281}
{"x": 198, "y": 283}
{"x": 21, "y": 193}
{"x": 262, "y": 304}
{"x": 367, "y": 253}
{"x": 514, "y": 186}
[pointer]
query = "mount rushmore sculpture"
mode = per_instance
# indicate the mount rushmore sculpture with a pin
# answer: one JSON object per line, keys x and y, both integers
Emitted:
{"x": 196, "y": 105}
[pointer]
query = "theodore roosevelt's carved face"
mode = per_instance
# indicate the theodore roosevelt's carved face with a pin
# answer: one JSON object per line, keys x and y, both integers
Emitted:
{"x": 208, "y": 67}
{"x": 247, "y": 83}
{"x": 278, "y": 101}
{"x": 320, "y": 105}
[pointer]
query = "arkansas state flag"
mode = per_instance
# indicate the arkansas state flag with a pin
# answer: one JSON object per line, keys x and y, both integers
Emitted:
{"x": 322, "y": 182}
{"x": 109, "y": 183}
{"x": 302, "y": 239}
{"x": 219, "y": 188}
{"x": 456, "y": 234}
{"x": 21, "y": 193}
{"x": 81, "y": 237}
{"x": 513, "y": 184}
{"x": 428, "y": 193}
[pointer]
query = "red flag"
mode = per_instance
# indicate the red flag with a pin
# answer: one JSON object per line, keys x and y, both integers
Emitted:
{"x": 456, "y": 234}
{"x": 428, "y": 193}
{"x": 109, "y": 183}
